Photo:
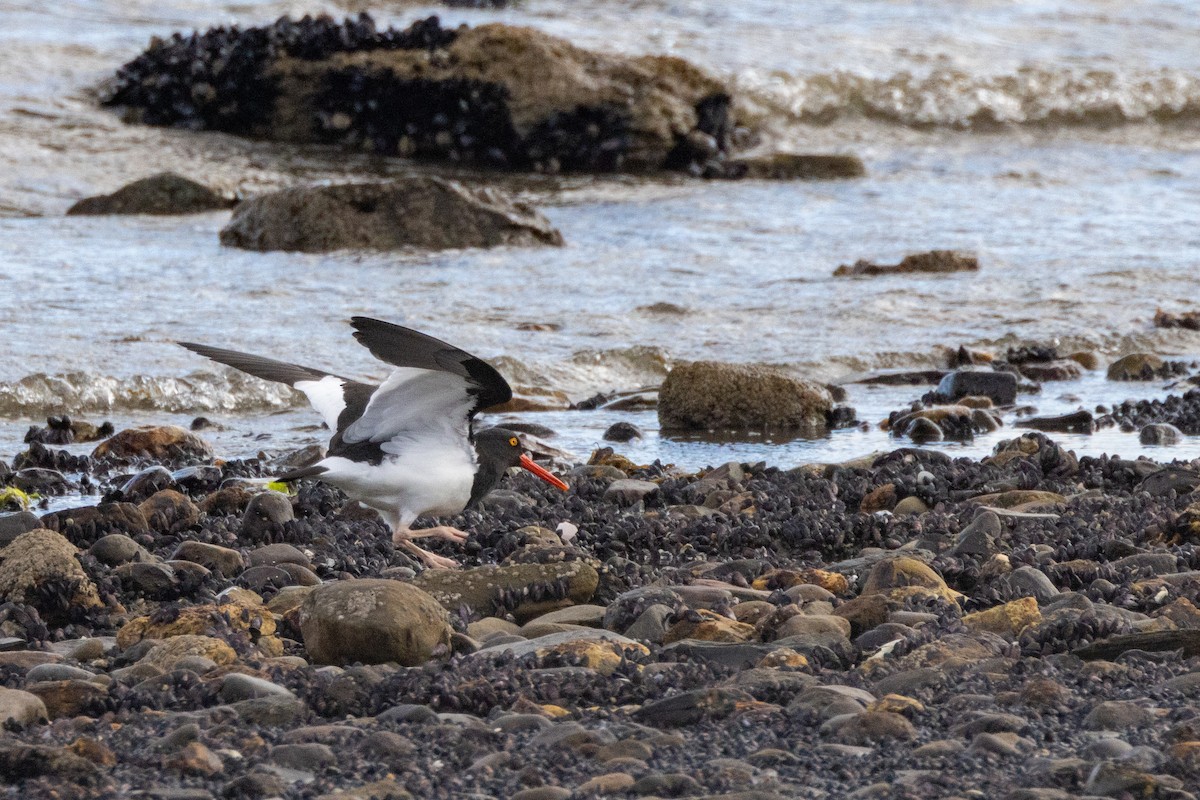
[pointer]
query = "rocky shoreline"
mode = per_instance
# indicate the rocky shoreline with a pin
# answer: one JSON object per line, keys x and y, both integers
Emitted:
{"x": 904, "y": 625}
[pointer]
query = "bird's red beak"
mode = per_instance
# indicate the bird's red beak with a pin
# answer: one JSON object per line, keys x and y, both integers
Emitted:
{"x": 542, "y": 472}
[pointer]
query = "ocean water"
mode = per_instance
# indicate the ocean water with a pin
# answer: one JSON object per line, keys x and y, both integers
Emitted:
{"x": 1060, "y": 141}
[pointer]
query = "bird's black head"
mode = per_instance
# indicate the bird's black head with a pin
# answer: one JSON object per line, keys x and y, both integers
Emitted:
{"x": 499, "y": 448}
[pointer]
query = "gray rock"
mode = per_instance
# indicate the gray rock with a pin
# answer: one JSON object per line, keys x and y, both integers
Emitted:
{"x": 236, "y": 686}
{"x": 622, "y": 432}
{"x": 627, "y": 492}
{"x": 21, "y": 708}
{"x": 280, "y": 553}
{"x": 264, "y": 511}
{"x": 273, "y": 710}
{"x": 57, "y": 672}
{"x": 1117, "y": 715}
{"x": 148, "y": 578}
{"x": 373, "y": 621}
{"x": 117, "y": 548}
{"x": 651, "y": 626}
{"x": 1001, "y": 387}
{"x": 1031, "y": 582}
{"x": 419, "y": 211}
{"x": 306, "y": 756}
{"x": 13, "y": 525}
{"x": 980, "y": 537}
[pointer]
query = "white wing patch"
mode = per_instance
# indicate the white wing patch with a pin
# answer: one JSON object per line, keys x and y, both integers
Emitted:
{"x": 414, "y": 404}
{"x": 326, "y": 397}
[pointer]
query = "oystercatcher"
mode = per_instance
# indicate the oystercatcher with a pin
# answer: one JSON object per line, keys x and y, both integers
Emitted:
{"x": 407, "y": 447}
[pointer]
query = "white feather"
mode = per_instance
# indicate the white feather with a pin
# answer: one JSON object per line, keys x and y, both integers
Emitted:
{"x": 414, "y": 404}
{"x": 326, "y": 397}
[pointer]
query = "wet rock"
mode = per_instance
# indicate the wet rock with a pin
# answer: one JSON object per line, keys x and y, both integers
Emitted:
{"x": 20, "y": 708}
{"x": 1000, "y": 387}
{"x": 707, "y": 395}
{"x": 152, "y": 580}
{"x": 1160, "y": 433}
{"x": 162, "y": 443}
{"x": 372, "y": 621}
{"x": 424, "y": 212}
{"x": 1136, "y": 367}
{"x": 798, "y": 166}
{"x": 145, "y": 483}
{"x": 35, "y": 480}
{"x": 1076, "y": 422}
{"x": 40, "y": 568}
{"x": 526, "y": 590}
{"x": 622, "y": 432}
{"x": 936, "y": 261}
{"x": 169, "y": 511}
{"x": 1063, "y": 369}
{"x": 164, "y": 193}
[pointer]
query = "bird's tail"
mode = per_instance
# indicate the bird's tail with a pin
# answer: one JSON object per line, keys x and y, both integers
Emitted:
{"x": 303, "y": 472}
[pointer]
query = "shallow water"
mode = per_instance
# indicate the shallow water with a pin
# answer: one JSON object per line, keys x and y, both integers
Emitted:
{"x": 1058, "y": 140}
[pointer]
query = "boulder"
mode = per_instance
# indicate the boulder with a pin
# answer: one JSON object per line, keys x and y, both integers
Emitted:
{"x": 164, "y": 193}
{"x": 933, "y": 261}
{"x": 41, "y": 559}
{"x": 708, "y": 395}
{"x": 1136, "y": 367}
{"x": 493, "y": 95}
{"x": 424, "y": 212}
{"x": 20, "y": 707}
{"x": 372, "y": 621}
{"x": 1000, "y": 387}
{"x": 158, "y": 443}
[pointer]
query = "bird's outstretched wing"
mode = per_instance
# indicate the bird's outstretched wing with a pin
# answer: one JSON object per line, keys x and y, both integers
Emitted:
{"x": 404, "y": 347}
{"x": 331, "y": 395}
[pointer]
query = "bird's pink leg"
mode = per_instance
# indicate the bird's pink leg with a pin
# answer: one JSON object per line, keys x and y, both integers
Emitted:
{"x": 442, "y": 532}
{"x": 403, "y": 538}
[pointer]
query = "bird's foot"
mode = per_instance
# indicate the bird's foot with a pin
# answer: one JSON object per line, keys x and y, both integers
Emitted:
{"x": 402, "y": 539}
{"x": 442, "y": 532}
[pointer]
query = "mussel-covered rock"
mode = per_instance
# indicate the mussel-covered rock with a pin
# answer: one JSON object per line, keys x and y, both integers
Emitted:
{"x": 493, "y": 95}
{"x": 40, "y": 568}
{"x": 373, "y": 621}
{"x": 160, "y": 443}
{"x": 935, "y": 261}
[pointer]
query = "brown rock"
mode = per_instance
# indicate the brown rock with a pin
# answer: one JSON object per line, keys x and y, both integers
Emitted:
{"x": 864, "y": 612}
{"x": 166, "y": 655}
{"x": 169, "y": 511}
{"x": 164, "y": 193}
{"x": 707, "y": 395}
{"x": 1022, "y": 499}
{"x": 894, "y": 574}
{"x": 1008, "y": 619}
{"x": 423, "y": 211}
{"x": 42, "y": 557}
{"x": 207, "y": 620}
{"x": 89, "y": 523}
{"x": 373, "y": 621}
{"x": 876, "y": 726}
{"x": 68, "y": 698}
{"x": 709, "y": 626}
{"x": 1136, "y": 367}
{"x": 21, "y": 708}
{"x": 932, "y": 261}
{"x": 832, "y": 582}
{"x": 158, "y": 443}
{"x": 881, "y": 498}
{"x": 195, "y": 759}
{"x": 229, "y": 562}
{"x": 798, "y": 166}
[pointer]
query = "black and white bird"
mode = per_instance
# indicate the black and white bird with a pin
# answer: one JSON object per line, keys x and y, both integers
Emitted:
{"x": 407, "y": 447}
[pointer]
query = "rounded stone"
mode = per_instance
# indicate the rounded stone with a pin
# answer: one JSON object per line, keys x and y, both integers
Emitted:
{"x": 372, "y": 621}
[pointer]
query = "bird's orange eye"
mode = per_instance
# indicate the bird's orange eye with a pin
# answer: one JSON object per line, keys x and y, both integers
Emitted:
{"x": 513, "y": 442}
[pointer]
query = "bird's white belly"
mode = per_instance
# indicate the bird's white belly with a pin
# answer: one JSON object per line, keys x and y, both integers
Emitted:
{"x": 435, "y": 482}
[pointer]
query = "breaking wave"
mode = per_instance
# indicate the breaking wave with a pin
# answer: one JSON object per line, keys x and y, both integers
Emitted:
{"x": 949, "y": 98}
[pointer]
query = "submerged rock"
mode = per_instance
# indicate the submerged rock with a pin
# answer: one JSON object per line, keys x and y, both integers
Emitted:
{"x": 423, "y": 212}
{"x": 164, "y": 193}
{"x": 798, "y": 166}
{"x": 707, "y": 395}
{"x": 162, "y": 443}
{"x": 933, "y": 261}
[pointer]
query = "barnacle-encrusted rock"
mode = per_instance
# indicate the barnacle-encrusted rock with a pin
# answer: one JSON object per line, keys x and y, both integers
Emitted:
{"x": 525, "y": 590}
{"x": 164, "y": 193}
{"x": 209, "y": 620}
{"x": 1010, "y": 618}
{"x": 903, "y": 577}
{"x": 39, "y": 568}
{"x": 173, "y": 650}
{"x": 372, "y": 621}
{"x": 708, "y": 626}
{"x": 707, "y": 395}
{"x": 424, "y": 212}
{"x": 158, "y": 442}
